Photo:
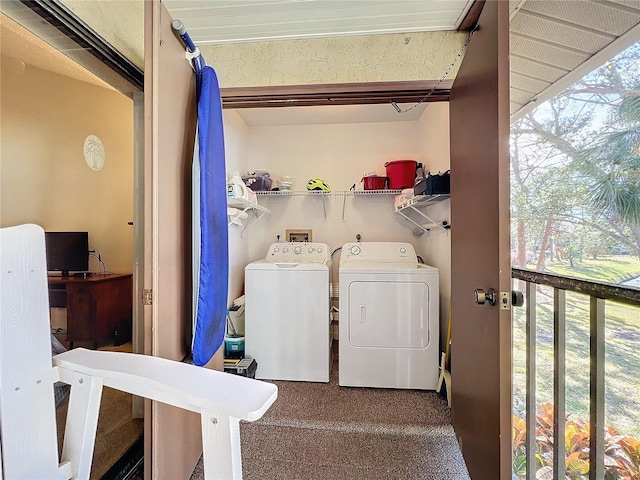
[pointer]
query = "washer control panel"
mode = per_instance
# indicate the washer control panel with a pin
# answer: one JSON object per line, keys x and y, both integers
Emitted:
{"x": 388, "y": 252}
{"x": 298, "y": 252}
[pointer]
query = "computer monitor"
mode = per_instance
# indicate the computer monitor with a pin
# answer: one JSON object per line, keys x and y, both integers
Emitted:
{"x": 67, "y": 252}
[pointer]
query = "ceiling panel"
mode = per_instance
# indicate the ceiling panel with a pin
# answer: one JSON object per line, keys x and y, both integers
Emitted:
{"x": 534, "y": 69}
{"x": 600, "y": 17}
{"x": 546, "y": 53}
{"x": 519, "y": 97}
{"x": 225, "y": 21}
{"x": 555, "y": 43}
{"x": 528, "y": 84}
{"x": 200, "y": 28}
{"x": 632, "y": 4}
{"x": 558, "y": 32}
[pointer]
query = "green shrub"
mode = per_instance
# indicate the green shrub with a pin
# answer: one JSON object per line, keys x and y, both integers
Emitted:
{"x": 622, "y": 453}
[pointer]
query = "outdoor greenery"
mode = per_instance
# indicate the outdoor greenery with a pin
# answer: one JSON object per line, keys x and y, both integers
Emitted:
{"x": 575, "y": 199}
{"x": 576, "y": 169}
{"x": 607, "y": 268}
{"x": 622, "y": 452}
{"x": 622, "y": 357}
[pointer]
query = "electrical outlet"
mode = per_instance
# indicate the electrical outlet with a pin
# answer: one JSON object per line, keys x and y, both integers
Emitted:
{"x": 298, "y": 235}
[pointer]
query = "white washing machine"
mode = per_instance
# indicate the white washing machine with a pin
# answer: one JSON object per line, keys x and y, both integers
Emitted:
{"x": 389, "y": 317}
{"x": 287, "y": 324}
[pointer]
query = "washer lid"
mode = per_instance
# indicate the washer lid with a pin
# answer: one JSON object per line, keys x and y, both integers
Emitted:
{"x": 288, "y": 266}
{"x": 376, "y": 267}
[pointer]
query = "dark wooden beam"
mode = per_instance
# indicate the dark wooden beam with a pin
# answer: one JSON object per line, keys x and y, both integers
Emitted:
{"x": 471, "y": 18}
{"x": 335, "y": 94}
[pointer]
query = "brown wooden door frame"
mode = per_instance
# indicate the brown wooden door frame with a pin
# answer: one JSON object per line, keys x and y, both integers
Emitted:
{"x": 173, "y": 440}
{"x": 481, "y": 335}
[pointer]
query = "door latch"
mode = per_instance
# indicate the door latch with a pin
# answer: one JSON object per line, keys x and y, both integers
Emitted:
{"x": 147, "y": 296}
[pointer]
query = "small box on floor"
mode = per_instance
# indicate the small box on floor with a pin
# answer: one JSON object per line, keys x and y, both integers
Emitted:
{"x": 245, "y": 366}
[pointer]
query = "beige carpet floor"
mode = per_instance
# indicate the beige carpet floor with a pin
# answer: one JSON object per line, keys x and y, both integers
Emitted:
{"x": 323, "y": 431}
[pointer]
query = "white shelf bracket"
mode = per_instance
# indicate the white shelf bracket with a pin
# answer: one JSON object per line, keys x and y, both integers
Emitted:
{"x": 412, "y": 204}
{"x": 244, "y": 206}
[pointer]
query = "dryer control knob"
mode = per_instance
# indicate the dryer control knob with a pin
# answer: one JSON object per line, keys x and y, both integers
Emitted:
{"x": 285, "y": 250}
{"x": 297, "y": 250}
{"x": 403, "y": 250}
{"x": 311, "y": 249}
{"x": 319, "y": 249}
{"x": 354, "y": 250}
{"x": 276, "y": 250}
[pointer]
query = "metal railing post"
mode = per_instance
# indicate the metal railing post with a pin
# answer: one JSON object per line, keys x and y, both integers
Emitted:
{"x": 596, "y": 389}
{"x": 559, "y": 379}
{"x": 530, "y": 400}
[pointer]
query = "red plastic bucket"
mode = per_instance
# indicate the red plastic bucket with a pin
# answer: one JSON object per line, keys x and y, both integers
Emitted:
{"x": 374, "y": 182}
{"x": 401, "y": 173}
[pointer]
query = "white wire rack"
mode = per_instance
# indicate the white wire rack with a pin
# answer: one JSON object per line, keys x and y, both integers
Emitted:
{"x": 243, "y": 206}
{"x": 308, "y": 193}
{"x": 415, "y": 204}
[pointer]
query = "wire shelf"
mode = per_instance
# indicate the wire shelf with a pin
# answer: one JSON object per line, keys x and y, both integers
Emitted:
{"x": 307, "y": 193}
{"x": 241, "y": 203}
{"x": 422, "y": 201}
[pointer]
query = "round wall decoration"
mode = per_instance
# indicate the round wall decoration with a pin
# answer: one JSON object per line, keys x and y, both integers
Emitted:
{"x": 94, "y": 153}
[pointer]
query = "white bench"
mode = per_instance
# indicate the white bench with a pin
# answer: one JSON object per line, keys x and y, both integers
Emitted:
{"x": 27, "y": 407}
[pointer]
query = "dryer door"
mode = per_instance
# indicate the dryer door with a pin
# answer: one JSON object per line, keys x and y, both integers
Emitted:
{"x": 389, "y": 314}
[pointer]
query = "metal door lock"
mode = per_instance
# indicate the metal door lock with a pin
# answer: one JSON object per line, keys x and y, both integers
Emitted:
{"x": 482, "y": 297}
{"x": 507, "y": 299}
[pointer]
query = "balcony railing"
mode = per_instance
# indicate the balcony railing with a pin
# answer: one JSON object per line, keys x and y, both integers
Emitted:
{"x": 599, "y": 294}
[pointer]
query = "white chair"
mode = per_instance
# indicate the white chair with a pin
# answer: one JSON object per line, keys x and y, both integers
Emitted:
{"x": 27, "y": 408}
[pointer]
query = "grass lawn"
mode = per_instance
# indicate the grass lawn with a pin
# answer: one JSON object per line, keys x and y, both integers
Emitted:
{"x": 622, "y": 354}
{"x": 610, "y": 268}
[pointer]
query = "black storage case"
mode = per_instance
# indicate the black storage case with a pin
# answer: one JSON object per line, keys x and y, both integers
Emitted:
{"x": 434, "y": 184}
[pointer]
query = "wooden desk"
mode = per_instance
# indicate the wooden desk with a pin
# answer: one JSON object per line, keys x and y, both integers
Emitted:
{"x": 95, "y": 305}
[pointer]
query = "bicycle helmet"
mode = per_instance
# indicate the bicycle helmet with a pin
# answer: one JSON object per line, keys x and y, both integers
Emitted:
{"x": 318, "y": 184}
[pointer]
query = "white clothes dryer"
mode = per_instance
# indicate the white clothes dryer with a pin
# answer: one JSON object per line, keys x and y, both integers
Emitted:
{"x": 287, "y": 324}
{"x": 389, "y": 317}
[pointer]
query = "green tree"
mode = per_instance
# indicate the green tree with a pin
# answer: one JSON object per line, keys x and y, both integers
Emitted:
{"x": 612, "y": 169}
{"x": 587, "y": 145}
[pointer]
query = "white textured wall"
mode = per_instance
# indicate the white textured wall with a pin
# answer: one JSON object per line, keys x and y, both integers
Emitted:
{"x": 372, "y": 58}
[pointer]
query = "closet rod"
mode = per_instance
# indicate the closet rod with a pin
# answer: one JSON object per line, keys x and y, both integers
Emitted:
{"x": 195, "y": 55}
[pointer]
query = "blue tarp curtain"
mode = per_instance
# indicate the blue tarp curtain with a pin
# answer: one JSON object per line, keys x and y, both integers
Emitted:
{"x": 211, "y": 246}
